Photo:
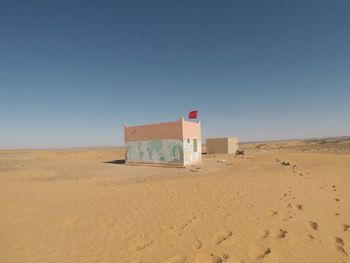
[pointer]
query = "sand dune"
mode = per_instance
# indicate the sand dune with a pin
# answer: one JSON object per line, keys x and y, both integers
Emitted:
{"x": 85, "y": 205}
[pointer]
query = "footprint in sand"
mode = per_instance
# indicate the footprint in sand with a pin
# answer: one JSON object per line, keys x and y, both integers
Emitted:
{"x": 142, "y": 246}
{"x": 210, "y": 258}
{"x": 266, "y": 233}
{"x": 313, "y": 225}
{"x": 300, "y": 207}
{"x": 262, "y": 234}
{"x": 259, "y": 252}
{"x": 341, "y": 249}
{"x": 266, "y": 252}
{"x": 339, "y": 243}
{"x": 282, "y": 233}
{"x": 176, "y": 259}
{"x": 181, "y": 226}
{"x": 198, "y": 243}
{"x": 337, "y": 199}
{"x": 222, "y": 236}
{"x": 273, "y": 213}
{"x": 224, "y": 256}
{"x": 346, "y": 227}
{"x": 108, "y": 224}
{"x": 141, "y": 243}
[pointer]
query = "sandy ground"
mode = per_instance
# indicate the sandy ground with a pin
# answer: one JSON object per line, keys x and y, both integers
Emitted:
{"x": 85, "y": 205}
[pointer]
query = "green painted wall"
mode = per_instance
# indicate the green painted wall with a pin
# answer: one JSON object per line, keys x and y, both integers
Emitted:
{"x": 155, "y": 151}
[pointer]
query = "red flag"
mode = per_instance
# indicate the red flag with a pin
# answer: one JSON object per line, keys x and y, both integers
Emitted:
{"x": 193, "y": 114}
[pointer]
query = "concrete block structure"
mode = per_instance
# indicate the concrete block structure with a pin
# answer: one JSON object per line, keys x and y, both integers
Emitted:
{"x": 227, "y": 145}
{"x": 175, "y": 143}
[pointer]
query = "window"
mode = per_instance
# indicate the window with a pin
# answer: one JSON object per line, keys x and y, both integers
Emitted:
{"x": 195, "y": 145}
{"x": 188, "y": 140}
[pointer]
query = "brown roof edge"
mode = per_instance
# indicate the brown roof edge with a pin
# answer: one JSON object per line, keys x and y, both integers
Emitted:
{"x": 156, "y": 123}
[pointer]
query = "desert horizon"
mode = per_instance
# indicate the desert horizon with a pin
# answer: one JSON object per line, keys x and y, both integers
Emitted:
{"x": 120, "y": 146}
{"x": 86, "y": 205}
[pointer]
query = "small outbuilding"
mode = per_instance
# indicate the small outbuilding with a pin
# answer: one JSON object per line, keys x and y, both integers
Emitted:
{"x": 175, "y": 143}
{"x": 228, "y": 145}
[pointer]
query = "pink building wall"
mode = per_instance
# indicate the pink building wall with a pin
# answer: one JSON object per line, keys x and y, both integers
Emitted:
{"x": 157, "y": 131}
{"x": 191, "y": 131}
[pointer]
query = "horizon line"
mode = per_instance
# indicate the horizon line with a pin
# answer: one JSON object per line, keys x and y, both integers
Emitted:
{"x": 122, "y": 146}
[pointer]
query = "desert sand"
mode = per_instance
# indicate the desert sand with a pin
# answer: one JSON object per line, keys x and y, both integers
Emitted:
{"x": 86, "y": 205}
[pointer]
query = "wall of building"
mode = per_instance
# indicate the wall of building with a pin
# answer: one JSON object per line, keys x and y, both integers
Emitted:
{"x": 192, "y": 153}
{"x": 176, "y": 143}
{"x": 222, "y": 145}
{"x": 192, "y": 141}
{"x": 155, "y": 151}
{"x": 232, "y": 145}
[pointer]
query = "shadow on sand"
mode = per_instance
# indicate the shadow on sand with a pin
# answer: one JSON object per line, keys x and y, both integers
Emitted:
{"x": 120, "y": 161}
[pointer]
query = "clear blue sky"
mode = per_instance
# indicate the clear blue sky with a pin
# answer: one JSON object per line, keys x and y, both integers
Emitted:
{"x": 73, "y": 72}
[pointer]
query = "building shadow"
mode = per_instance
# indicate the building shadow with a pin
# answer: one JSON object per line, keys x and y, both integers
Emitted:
{"x": 119, "y": 161}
